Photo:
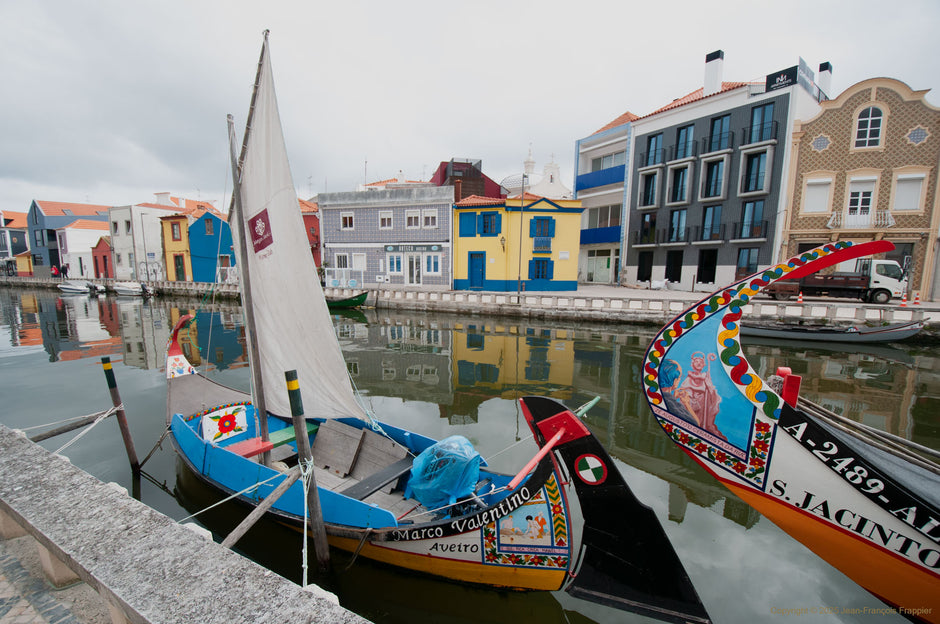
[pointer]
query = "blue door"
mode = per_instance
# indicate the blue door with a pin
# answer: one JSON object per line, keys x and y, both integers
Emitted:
{"x": 477, "y": 270}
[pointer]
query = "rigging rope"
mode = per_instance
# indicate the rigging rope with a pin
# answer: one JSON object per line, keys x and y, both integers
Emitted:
{"x": 61, "y": 422}
{"x": 235, "y": 495}
{"x": 101, "y": 417}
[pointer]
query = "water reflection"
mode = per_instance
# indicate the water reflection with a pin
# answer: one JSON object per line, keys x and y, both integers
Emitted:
{"x": 442, "y": 375}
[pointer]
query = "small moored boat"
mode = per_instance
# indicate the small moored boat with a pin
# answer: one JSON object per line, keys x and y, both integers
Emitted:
{"x": 129, "y": 289}
{"x": 77, "y": 287}
{"x": 353, "y": 301}
{"x": 831, "y": 333}
{"x": 865, "y": 501}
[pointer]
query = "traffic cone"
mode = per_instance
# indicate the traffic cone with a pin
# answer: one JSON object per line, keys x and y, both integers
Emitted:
{"x": 904, "y": 300}
{"x": 800, "y": 298}
{"x": 917, "y": 298}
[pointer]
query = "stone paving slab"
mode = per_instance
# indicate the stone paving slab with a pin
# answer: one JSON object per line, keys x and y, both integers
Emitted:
{"x": 155, "y": 570}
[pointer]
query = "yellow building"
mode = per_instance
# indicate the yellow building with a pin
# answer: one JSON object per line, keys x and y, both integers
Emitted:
{"x": 179, "y": 266}
{"x": 516, "y": 244}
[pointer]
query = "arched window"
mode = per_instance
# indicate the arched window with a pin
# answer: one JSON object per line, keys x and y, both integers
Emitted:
{"x": 868, "y": 129}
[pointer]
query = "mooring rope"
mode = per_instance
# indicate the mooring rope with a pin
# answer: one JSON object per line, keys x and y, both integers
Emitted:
{"x": 62, "y": 422}
{"x": 306, "y": 470}
{"x": 235, "y": 495}
{"x": 102, "y": 416}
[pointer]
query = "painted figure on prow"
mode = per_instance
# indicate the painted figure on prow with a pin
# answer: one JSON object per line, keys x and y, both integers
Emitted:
{"x": 703, "y": 397}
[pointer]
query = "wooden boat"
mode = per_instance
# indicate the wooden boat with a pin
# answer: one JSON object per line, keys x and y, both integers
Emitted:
{"x": 77, "y": 287}
{"x": 385, "y": 493}
{"x": 847, "y": 333}
{"x": 354, "y": 301}
{"x": 863, "y": 500}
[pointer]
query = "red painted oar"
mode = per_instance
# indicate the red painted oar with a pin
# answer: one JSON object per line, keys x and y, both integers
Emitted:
{"x": 535, "y": 460}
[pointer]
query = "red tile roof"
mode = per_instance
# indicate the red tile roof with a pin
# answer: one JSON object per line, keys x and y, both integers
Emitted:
{"x": 308, "y": 207}
{"x": 14, "y": 219}
{"x": 698, "y": 95}
{"x": 676, "y": 103}
{"x": 619, "y": 121}
{"x": 87, "y": 224}
{"x": 57, "y": 209}
{"x": 477, "y": 200}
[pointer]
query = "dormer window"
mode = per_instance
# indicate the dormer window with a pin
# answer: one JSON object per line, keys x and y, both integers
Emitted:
{"x": 868, "y": 128}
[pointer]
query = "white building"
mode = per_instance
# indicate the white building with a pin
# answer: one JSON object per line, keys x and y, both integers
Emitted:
{"x": 548, "y": 184}
{"x": 76, "y": 241}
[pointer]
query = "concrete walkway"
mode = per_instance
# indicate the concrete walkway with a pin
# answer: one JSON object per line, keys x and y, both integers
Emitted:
{"x": 26, "y": 597}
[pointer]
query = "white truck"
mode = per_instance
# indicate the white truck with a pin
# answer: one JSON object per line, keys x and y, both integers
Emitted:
{"x": 872, "y": 281}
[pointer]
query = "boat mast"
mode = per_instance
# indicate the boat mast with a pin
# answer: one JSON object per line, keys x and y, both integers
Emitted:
{"x": 257, "y": 387}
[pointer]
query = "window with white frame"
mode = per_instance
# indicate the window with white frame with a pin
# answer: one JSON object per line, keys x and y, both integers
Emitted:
{"x": 346, "y": 221}
{"x": 127, "y": 226}
{"x": 908, "y": 192}
{"x": 679, "y": 179}
{"x": 601, "y": 217}
{"x": 817, "y": 195}
{"x": 868, "y": 127}
{"x": 394, "y": 263}
{"x": 432, "y": 264}
{"x": 608, "y": 161}
{"x": 385, "y": 220}
{"x": 858, "y": 212}
{"x": 430, "y": 218}
{"x": 412, "y": 219}
{"x": 648, "y": 189}
{"x": 341, "y": 260}
{"x": 714, "y": 178}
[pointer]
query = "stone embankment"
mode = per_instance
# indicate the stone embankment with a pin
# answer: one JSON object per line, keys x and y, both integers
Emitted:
{"x": 589, "y": 303}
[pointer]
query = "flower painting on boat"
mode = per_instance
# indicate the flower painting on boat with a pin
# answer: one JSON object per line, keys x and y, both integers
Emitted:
{"x": 224, "y": 423}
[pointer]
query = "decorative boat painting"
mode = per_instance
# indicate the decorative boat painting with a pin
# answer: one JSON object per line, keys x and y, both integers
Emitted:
{"x": 863, "y": 500}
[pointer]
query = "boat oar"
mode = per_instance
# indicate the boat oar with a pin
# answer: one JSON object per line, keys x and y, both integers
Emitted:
{"x": 535, "y": 460}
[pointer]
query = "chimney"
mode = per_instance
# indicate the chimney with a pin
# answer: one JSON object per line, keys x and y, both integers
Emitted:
{"x": 163, "y": 199}
{"x": 458, "y": 190}
{"x": 824, "y": 80}
{"x": 713, "y": 67}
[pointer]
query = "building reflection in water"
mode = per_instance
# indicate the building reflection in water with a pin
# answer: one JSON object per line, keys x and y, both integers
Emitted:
{"x": 457, "y": 364}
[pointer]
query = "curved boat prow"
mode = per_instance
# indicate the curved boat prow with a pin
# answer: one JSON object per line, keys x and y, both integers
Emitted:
{"x": 626, "y": 559}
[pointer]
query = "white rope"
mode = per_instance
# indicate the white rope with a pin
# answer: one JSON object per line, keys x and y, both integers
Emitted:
{"x": 306, "y": 469}
{"x": 235, "y": 495}
{"x": 62, "y": 422}
{"x": 498, "y": 453}
{"x": 101, "y": 417}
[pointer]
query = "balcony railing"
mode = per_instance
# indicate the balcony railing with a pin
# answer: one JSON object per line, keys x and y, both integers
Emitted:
{"x": 682, "y": 150}
{"x": 644, "y": 237}
{"x": 711, "y": 188}
{"x": 880, "y": 219}
{"x": 542, "y": 244}
{"x": 677, "y": 234}
{"x": 756, "y": 134}
{"x": 753, "y": 183}
{"x": 750, "y": 229}
{"x": 709, "y": 233}
{"x": 716, "y": 142}
{"x": 655, "y": 157}
{"x": 593, "y": 179}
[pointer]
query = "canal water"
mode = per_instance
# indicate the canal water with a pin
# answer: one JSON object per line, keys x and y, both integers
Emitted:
{"x": 443, "y": 375}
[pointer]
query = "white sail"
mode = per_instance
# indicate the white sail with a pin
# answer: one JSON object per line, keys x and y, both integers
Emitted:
{"x": 292, "y": 322}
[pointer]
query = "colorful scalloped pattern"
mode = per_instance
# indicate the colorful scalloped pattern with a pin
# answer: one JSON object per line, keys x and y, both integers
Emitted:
{"x": 729, "y": 303}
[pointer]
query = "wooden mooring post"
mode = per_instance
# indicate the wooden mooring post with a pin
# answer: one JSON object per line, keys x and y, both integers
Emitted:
{"x": 304, "y": 454}
{"x": 121, "y": 416}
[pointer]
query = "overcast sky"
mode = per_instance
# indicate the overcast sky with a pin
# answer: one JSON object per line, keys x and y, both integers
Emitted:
{"x": 108, "y": 102}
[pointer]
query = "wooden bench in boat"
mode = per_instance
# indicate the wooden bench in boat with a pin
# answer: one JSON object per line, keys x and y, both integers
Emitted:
{"x": 256, "y": 446}
{"x": 378, "y": 480}
{"x": 369, "y": 461}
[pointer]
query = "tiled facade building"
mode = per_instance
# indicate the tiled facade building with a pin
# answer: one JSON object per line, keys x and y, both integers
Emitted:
{"x": 396, "y": 236}
{"x": 866, "y": 169}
